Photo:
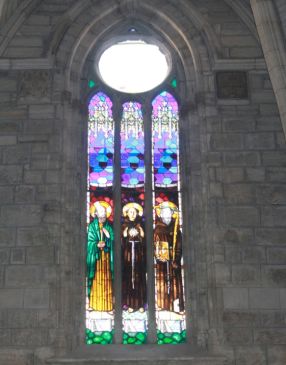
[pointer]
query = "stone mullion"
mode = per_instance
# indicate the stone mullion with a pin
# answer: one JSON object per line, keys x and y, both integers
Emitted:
{"x": 147, "y": 116}
{"x": 117, "y": 281}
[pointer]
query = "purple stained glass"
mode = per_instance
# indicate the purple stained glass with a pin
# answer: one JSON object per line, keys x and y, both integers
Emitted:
{"x": 100, "y": 141}
{"x": 165, "y": 140}
{"x": 132, "y": 146}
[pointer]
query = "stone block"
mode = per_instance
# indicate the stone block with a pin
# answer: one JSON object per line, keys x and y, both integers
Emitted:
{"x": 283, "y": 298}
{"x": 246, "y": 52}
{"x": 236, "y": 236}
{"x": 280, "y": 140}
{"x": 272, "y": 318}
{"x": 16, "y": 357}
{"x": 260, "y": 141}
{"x": 263, "y": 96}
{"x": 238, "y": 336}
{"x": 239, "y": 193}
{"x": 265, "y": 123}
{"x": 18, "y": 256}
{"x": 27, "y": 41}
{"x": 253, "y": 255}
{"x": 5, "y": 337}
{"x": 271, "y": 237}
{"x": 239, "y": 124}
{"x": 251, "y": 355}
{"x": 255, "y": 174}
{"x": 276, "y": 255}
{"x": 264, "y": 298}
{"x": 29, "y": 337}
{"x": 274, "y": 158}
{"x": 24, "y": 194}
{"x": 270, "y": 336}
{"x": 271, "y": 194}
{"x": 40, "y": 255}
{"x": 276, "y": 355}
{"x": 36, "y": 298}
{"x": 229, "y": 175}
{"x": 239, "y": 318}
{"x": 10, "y": 175}
{"x": 276, "y": 174}
{"x": 246, "y": 274}
{"x": 39, "y": 126}
{"x": 274, "y": 216}
{"x": 222, "y": 273}
{"x": 6, "y": 194}
{"x": 11, "y": 298}
{"x": 233, "y": 254}
{"x": 21, "y": 318}
{"x": 53, "y": 177}
{"x": 241, "y": 158}
{"x": 8, "y": 140}
{"x": 19, "y": 154}
{"x": 226, "y": 141}
{"x": 48, "y": 192}
{"x": 21, "y": 215}
{"x": 24, "y": 52}
{"x": 7, "y": 237}
{"x": 43, "y": 111}
{"x": 4, "y": 256}
{"x": 235, "y": 298}
{"x": 237, "y": 216}
{"x": 34, "y": 236}
{"x": 274, "y": 275}
{"x": 34, "y": 176}
{"x": 48, "y": 318}
{"x": 23, "y": 276}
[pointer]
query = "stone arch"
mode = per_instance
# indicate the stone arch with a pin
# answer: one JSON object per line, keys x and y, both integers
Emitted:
{"x": 194, "y": 59}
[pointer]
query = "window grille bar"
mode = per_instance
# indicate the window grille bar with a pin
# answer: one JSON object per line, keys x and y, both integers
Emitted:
{"x": 151, "y": 337}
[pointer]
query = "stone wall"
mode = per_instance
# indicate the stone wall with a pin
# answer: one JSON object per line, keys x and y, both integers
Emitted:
{"x": 235, "y": 178}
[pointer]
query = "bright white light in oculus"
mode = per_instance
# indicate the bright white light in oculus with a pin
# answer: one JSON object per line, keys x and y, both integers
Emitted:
{"x": 133, "y": 66}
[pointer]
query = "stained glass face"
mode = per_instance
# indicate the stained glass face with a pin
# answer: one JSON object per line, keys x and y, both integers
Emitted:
{"x": 134, "y": 296}
{"x": 100, "y": 232}
{"x": 168, "y": 255}
{"x": 100, "y": 141}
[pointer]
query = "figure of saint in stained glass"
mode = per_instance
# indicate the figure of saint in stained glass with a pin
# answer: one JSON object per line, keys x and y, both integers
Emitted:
{"x": 134, "y": 259}
{"x": 100, "y": 258}
{"x": 168, "y": 254}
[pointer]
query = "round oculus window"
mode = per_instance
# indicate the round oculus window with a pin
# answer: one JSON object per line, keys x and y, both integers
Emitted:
{"x": 133, "y": 66}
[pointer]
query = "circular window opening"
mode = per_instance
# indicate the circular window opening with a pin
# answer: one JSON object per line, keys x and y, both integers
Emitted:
{"x": 133, "y": 66}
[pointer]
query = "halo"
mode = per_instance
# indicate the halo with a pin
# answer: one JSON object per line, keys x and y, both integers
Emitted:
{"x": 167, "y": 204}
{"x": 132, "y": 205}
{"x": 104, "y": 204}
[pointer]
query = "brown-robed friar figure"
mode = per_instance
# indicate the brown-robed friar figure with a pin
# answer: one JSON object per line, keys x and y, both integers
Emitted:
{"x": 168, "y": 254}
{"x": 134, "y": 259}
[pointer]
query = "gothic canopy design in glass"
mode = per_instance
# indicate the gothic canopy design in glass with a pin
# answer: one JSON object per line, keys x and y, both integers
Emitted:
{"x": 133, "y": 66}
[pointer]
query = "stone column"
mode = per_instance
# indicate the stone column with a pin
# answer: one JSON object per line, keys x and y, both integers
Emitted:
{"x": 274, "y": 48}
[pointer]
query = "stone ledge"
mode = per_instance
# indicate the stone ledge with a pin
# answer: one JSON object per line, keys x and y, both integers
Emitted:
{"x": 143, "y": 355}
{"x": 193, "y": 360}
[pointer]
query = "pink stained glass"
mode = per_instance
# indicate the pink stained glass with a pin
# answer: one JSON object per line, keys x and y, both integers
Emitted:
{"x": 100, "y": 141}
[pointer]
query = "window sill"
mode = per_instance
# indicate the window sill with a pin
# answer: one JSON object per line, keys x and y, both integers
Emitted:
{"x": 139, "y": 355}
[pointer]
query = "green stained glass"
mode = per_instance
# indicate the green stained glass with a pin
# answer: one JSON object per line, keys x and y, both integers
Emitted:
{"x": 91, "y": 84}
{"x": 174, "y": 83}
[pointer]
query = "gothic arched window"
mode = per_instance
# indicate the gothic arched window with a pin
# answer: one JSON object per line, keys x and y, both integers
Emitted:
{"x": 134, "y": 216}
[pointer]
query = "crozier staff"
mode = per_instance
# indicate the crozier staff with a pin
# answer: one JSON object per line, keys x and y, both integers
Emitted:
{"x": 168, "y": 254}
{"x": 100, "y": 241}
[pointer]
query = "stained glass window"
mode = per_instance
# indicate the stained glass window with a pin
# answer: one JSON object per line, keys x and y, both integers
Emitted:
{"x": 168, "y": 258}
{"x": 100, "y": 233}
{"x": 134, "y": 297}
{"x": 166, "y": 245}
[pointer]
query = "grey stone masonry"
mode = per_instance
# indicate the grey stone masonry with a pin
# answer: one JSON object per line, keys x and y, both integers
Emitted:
{"x": 232, "y": 165}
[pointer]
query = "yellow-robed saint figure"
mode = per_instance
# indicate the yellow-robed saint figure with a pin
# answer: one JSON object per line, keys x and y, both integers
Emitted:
{"x": 100, "y": 240}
